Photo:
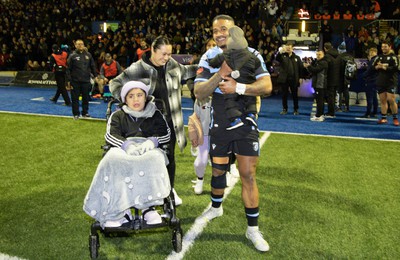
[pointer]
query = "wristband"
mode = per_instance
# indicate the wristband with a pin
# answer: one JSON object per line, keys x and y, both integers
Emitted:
{"x": 240, "y": 88}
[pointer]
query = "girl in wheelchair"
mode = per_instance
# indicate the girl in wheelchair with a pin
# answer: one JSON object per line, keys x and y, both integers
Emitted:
{"x": 133, "y": 172}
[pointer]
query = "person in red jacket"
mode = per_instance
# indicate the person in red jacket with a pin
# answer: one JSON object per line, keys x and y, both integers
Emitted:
{"x": 58, "y": 65}
{"x": 108, "y": 70}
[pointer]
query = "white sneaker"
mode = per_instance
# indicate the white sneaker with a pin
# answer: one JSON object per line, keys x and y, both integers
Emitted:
{"x": 317, "y": 119}
{"x": 234, "y": 171}
{"x": 119, "y": 222}
{"x": 152, "y": 217}
{"x": 198, "y": 187}
{"x": 178, "y": 201}
{"x": 211, "y": 213}
{"x": 256, "y": 237}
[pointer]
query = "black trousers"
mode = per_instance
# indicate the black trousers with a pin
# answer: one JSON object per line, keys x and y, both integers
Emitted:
{"x": 61, "y": 90}
{"x": 330, "y": 97}
{"x": 80, "y": 88}
{"x": 293, "y": 86}
{"x": 344, "y": 94}
{"x": 320, "y": 99}
{"x": 171, "y": 167}
{"x": 372, "y": 99}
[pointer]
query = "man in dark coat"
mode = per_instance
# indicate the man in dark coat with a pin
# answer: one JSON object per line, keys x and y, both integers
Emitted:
{"x": 331, "y": 55}
{"x": 319, "y": 72}
{"x": 291, "y": 68}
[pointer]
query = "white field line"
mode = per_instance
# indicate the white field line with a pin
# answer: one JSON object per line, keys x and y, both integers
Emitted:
{"x": 198, "y": 226}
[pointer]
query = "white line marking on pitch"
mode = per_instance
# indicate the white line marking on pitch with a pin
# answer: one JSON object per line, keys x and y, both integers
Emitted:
{"x": 197, "y": 228}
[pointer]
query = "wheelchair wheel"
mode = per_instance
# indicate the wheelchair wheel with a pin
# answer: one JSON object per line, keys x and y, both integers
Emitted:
{"x": 177, "y": 240}
{"x": 94, "y": 245}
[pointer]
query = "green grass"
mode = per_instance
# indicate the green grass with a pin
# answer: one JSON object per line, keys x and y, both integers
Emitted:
{"x": 320, "y": 198}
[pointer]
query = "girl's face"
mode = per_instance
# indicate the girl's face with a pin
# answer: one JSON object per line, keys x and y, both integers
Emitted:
{"x": 161, "y": 56}
{"x": 136, "y": 99}
{"x": 210, "y": 44}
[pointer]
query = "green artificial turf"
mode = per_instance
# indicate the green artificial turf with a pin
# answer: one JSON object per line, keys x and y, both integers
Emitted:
{"x": 320, "y": 198}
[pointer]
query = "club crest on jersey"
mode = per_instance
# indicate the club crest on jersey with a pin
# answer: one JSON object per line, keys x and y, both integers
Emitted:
{"x": 255, "y": 146}
{"x": 213, "y": 146}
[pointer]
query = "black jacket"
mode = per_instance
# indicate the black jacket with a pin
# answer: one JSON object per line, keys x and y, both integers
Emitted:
{"x": 121, "y": 125}
{"x": 289, "y": 67}
{"x": 80, "y": 66}
{"x": 370, "y": 75}
{"x": 343, "y": 57}
{"x": 333, "y": 67}
{"x": 319, "y": 72}
{"x": 387, "y": 78}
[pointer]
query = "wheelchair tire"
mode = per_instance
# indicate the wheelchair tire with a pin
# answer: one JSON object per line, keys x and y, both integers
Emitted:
{"x": 177, "y": 240}
{"x": 94, "y": 245}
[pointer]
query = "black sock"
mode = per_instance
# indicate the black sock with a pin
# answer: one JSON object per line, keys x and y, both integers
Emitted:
{"x": 252, "y": 216}
{"x": 216, "y": 200}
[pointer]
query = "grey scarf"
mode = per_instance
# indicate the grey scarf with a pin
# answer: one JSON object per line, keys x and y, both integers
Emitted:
{"x": 148, "y": 111}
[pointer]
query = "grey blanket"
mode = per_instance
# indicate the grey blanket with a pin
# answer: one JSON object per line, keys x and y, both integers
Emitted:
{"x": 123, "y": 181}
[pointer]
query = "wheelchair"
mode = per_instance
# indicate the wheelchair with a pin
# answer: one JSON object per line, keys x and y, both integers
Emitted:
{"x": 169, "y": 219}
{"x": 137, "y": 223}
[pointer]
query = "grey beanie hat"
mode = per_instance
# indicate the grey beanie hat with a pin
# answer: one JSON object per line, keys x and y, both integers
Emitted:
{"x": 236, "y": 39}
{"x": 131, "y": 85}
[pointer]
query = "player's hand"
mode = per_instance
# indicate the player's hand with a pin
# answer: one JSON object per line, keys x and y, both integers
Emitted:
{"x": 228, "y": 86}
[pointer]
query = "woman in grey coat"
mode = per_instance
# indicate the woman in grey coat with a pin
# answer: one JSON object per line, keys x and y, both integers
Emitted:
{"x": 163, "y": 75}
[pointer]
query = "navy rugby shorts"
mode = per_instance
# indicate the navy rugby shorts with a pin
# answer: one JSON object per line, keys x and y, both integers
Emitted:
{"x": 243, "y": 140}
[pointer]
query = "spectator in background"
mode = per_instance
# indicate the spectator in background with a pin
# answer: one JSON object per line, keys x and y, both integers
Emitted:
{"x": 108, "y": 70}
{"x": 58, "y": 65}
{"x": 375, "y": 8}
{"x": 144, "y": 47}
{"x": 350, "y": 41}
{"x": 360, "y": 15}
{"x": 326, "y": 15}
{"x": 319, "y": 72}
{"x": 361, "y": 50}
{"x": 80, "y": 69}
{"x": 326, "y": 31}
{"x": 291, "y": 70}
{"x": 347, "y": 15}
{"x": 344, "y": 83}
{"x": 272, "y": 8}
{"x": 331, "y": 55}
{"x": 122, "y": 56}
{"x": 336, "y": 15}
{"x": 370, "y": 76}
{"x": 4, "y": 56}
